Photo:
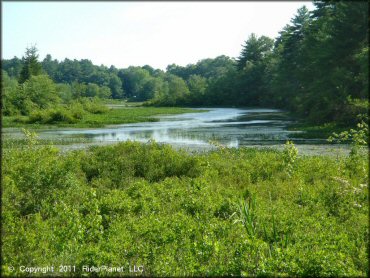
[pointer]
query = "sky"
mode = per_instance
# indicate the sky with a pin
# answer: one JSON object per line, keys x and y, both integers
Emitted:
{"x": 143, "y": 33}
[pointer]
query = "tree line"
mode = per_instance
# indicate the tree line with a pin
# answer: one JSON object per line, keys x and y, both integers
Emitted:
{"x": 317, "y": 68}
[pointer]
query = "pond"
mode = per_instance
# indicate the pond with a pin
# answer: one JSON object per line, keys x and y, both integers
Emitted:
{"x": 231, "y": 127}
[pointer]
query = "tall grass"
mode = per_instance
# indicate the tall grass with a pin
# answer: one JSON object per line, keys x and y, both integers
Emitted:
{"x": 90, "y": 115}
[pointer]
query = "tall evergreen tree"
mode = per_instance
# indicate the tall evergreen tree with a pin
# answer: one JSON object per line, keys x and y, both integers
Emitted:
{"x": 252, "y": 63}
{"x": 31, "y": 66}
{"x": 339, "y": 31}
{"x": 291, "y": 64}
{"x": 254, "y": 50}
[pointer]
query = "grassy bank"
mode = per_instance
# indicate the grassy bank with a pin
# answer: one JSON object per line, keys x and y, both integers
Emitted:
{"x": 122, "y": 115}
{"x": 227, "y": 212}
{"x": 313, "y": 131}
{"x": 19, "y": 142}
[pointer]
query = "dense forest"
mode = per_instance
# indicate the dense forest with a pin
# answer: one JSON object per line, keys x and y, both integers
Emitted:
{"x": 316, "y": 68}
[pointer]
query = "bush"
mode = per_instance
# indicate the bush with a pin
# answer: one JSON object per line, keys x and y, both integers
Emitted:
{"x": 67, "y": 114}
{"x": 61, "y": 115}
{"x": 93, "y": 106}
{"x": 52, "y": 116}
{"x": 77, "y": 110}
{"x": 152, "y": 161}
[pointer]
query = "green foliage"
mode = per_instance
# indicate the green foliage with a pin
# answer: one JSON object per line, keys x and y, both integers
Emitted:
{"x": 152, "y": 162}
{"x": 248, "y": 216}
{"x": 93, "y": 105}
{"x": 254, "y": 50}
{"x": 38, "y": 92}
{"x": 197, "y": 86}
{"x": 84, "y": 118}
{"x": 355, "y": 164}
{"x": 290, "y": 154}
{"x": 41, "y": 91}
{"x": 134, "y": 80}
{"x": 51, "y": 116}
{"x": 65, "y": 92}
{"x": 31, "y": 67}
{"x": 358, "y": 136}
{"x": 319, "y": 66}
{"x": 313, "y": 69}
{"x": 12, "y": 66}
{"x": 174, "y": 213}
{"x": 9, "y": 93}
{"x": 31, "y": 137}
{"x": 68, "y": 114}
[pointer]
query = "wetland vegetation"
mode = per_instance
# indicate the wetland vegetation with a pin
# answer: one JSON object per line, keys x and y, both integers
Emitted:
{"x": 62, "y": 117}
{"x": 230, "y": 210}
{"x": 226, "y": 212}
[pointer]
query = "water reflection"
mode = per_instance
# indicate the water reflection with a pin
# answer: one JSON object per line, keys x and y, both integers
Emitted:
{"x": 229, "y": 126}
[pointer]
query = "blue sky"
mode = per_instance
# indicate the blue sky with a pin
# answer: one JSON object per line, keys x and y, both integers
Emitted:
{"x": 129, "y": 33}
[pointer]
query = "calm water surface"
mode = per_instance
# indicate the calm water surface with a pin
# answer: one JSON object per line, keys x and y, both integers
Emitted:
{"x": 231, "y": 127}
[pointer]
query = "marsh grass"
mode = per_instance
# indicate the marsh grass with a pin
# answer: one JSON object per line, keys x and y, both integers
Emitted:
{"x": 109, "y": 117}
{"x": 312, "y": 131}
{"x": 18, "y": 142}
{"x": 248, "y": 216}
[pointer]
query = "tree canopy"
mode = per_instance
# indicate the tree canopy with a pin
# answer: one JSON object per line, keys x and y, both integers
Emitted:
{"x": 317, "y": 67}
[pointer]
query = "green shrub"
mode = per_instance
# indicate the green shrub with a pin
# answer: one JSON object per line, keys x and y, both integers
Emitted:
{"x": 93, "y": 105}
{"x": 77, "y": 110}
{"x": 174, "y": 212}
{"x": 52, "y": 116}
{"x": 290, "y": 154}
{"x": 38, "y": 116}
{"x": 60, "y": 115}
{"x": 151, "y": 161}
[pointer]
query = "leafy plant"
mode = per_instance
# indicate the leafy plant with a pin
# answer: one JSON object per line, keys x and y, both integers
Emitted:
{"x": 290, "y": 154}
{"x": 357, "y": 136}
{"x": 247, "y": 215}
{"x": 31, "y": 137}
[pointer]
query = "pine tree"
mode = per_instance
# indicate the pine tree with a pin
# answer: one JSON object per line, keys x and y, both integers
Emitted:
{"x": 291, "y": 66}
{"x": 254, "y": 50}
{"x": 31, "y": 66}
